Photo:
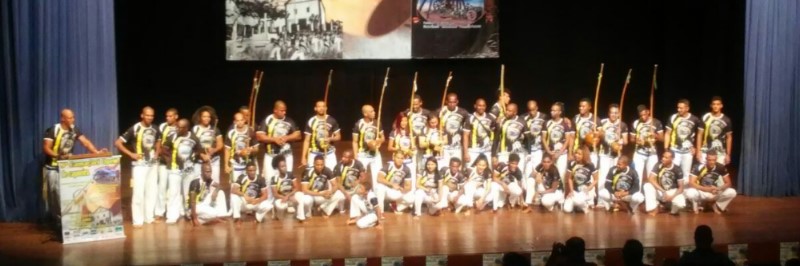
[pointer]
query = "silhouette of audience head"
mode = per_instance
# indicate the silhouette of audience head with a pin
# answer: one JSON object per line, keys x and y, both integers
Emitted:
{"x": 703, "y": 237}
{"x": 632, "y": 252}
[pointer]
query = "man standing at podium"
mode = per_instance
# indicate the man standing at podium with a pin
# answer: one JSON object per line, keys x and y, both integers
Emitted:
{"x": 140, "y": 143}
{"x": 58, "y": 143}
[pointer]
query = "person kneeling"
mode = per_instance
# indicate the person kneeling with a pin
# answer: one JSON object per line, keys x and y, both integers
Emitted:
{"x": 428, "y": 186}
{"x": 507, "y": 178}
{"x": 624, "y": 182}
{"x": 318, "y": 189}
{"x": 364, "y": 209}
{"x": 395, "y": 183}
{"x": 548, "y": 184}
{"x": 710, "y": 182}
{"x": 206, "y": 202}
{"x": 249, "y": 193}
{"x": 665, "y": 186}
{"x": 284, "y": 187}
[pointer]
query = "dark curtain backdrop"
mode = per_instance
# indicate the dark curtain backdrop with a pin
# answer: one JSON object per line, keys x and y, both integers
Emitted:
{"x": 55, "y": 54}
{"x": 771, "y": 94}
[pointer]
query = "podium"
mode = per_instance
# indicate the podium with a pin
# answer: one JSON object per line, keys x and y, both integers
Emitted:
{"x": 90, "y": 198}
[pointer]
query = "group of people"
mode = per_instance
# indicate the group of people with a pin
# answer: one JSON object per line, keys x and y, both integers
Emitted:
{"x": 447, "y": 159}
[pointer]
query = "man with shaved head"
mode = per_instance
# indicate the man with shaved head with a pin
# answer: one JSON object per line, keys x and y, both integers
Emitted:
{"x": 347, "y": 174}
{"x": 58, "y": 143}
{"x": 180, "y": 148}
{"x": 321, "y": 132}
{"x": 275, "y": 133}
{"x": 534, "y": 122}
{"x": 478, "y": 133}
{"x": 141, "y": 144}
{"x": 418, "y": 121}
{"x": 367, "y": 140}
{"x": 240, "y": 147}
{"x": 451, "y": 122}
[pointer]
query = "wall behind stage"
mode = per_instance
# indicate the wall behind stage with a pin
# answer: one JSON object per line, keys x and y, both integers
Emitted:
{"x": 172, "y": 55}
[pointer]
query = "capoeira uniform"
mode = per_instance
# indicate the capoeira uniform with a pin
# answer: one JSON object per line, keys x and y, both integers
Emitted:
{"x": 477, "y": 187}
{"x": 166, "y": 132}
{"x": 363, "y": 133}
{"x": 142, "y": 140}
{"x": 208, "y": 138}
{"x": 236, "y": 141}
{"x": 583, "y": 127}
{"x": 715, "y": 136}
{"x": 398, "y": 175}
{"x": 419, "y": 123}
{"x": 452, "y": 126}
{"x": 669, "y": 179}
{"x": 208, "y": 207}
{"x": 63, "y": 142}
{"x": 347, "y": 177}
{"x": 427, "y": 193}
{"x": 283, "y": 186}
{"x": 275, "y": 127}
{"x": 362, "y": 207}
{"x": 181, "y": 150}
{"x": 481, "y": 130}
{"x": 452, "y": 186}
{"x": 402, "y": 142}
{"x": 512, "y": 180}
{"x": 434, "y": 139}
{"x": 555, "y": 138}
{"x": 317, "y": 182}
{"x": 319, "y": 129}
{"x": 510, "y": 137}
{"x": 682, "y": 139}
{"x": 645, "y": 155}
{"x": 549, "y": 199}
{"x": 613, "y": 132}
{"x": 622, "y": 180}
{"x": 582, "y": 196}
{"x": 710, "y": 177}
{"x": 252, "y": 187}
{"x": 533, "y": 140}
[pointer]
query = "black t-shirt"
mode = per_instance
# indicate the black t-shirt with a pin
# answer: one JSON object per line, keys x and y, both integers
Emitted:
{"x": 166, "y": 131}
{"x": 201, "y": 190}
{"x": 348, "y": 175}
{"x": 63, "y": 141}
{"x": 549, "y": 176}
{"x": 207, "y": 136}
{"x": 283, "y": 184}
{"x": 142, "y": 140}
{"x": 683, "y": 131}
{"x": 507, "y": 176}
{"x": 319, "y": 129}
{"x": 481, "y": 130}
{"x": 715, "y": 132}
{"x": 581, "y": 174}
{"x": 456, "y": 179}
{"x": 535, "y": 124}
{"x": 667, "y": 177}
{"x": 497, "y": 110}
{"x": 396, "y": 175}
{"x": 612, "y": 132}
{"x": 556, "y": 132}
{"x": 710, "y": 177}
{"x": 401, "y": 139}
{"x": 642, "y": 131}
{"x": 364, "y": 132}
{"x": 418, "y": 120}
{"x": 583, "y": 126}
{"x": 274, "y": 127}
{"x": 251, "y": 187}
{"x": 622, "y": 180}
{"x": 317, "y": 181}
{"x": 510, "y": 135}
{"x": 428, "y": 180}
{"x": 453, "y": 124}
{"x": 236, "y": 141}
{"x": 181, "y": 150}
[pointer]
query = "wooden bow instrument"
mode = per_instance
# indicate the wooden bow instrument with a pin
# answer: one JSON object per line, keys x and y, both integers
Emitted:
{"x": 251, "y": 106}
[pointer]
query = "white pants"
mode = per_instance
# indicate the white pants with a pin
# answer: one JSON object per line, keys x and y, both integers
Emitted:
{"x": 373, "y": 163}
{"x": 473, "y": 155}
{"x": 307, "y": 202}
{"x": 161, "y": 199}
{"x": 144, "y": 179}
{"x": 722, "y": 199}
{"x": 634, "y": 200}
{"x": 643, "y": 164}
{"x": 207, "y": 213}
{"x": 175, "y": 193}
{"x": 429, "y": 198}
{"x": 549, "y": 200}
{"x": 652, "y": 197}
{"x": 720, "y": 158}
{"x": 594, "y": 158}
{"x": 561, "y": 165}
{"x": 358, "y": 205}
{"x": 367, "y": 221}
{"x": 472, "y": 192}
{"x": 186, "y": 181}
{"x": 533, "y": 159}
{"x": 605, "y": 165}
{"x": 579, "y": 201}
{"x": 530, "y": 189}
{"x": 53, "y": 191}
{"x": 446, "y": 197}
{"x": 449, "y": 153}
{"x": 238, "y": 205}
{"x": 499, "y": 198}
{"x": 684, "y": 160}
{"x": 269, "y": 173}
{"x": 198, "y": 166}
{"x": 236, "y": 173}
{"x": 403, "y": 200}
{"x": 330, "y": 158}
{"x": 281, "y": 206}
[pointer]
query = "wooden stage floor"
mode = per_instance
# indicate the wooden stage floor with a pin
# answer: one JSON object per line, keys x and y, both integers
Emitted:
{"x": 750, "y": 220}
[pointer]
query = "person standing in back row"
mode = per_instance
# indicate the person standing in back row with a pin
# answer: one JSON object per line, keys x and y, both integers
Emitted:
{"x": 717, "y": 134}
{"x": 321, "y": 132}
{"x": 141, "y": 144}
{"x": 682, "y": 128}
{"x": 276, "y": 133}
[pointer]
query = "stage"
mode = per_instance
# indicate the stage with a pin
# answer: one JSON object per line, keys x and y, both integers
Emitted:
{"x": 750, "y": 220}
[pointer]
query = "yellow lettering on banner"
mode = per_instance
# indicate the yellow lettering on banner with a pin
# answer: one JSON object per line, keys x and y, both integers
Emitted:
{"x": 76, "y": 173}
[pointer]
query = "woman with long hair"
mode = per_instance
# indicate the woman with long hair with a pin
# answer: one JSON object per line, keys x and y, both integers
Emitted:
{"x": 400, "y": 140}
{"x": 432, "y": 141}
{"x": 477, "y": 190}
{"x": 581, "y": 182}
{"x": 428, "y": 183}
{"x": 205, "y": 129}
